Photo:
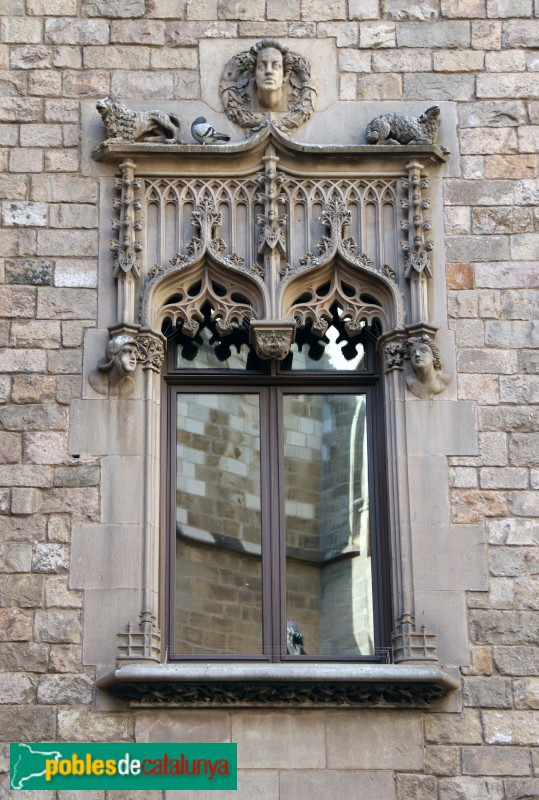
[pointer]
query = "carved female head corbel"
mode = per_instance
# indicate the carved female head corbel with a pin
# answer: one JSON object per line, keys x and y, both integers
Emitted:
{"x": 428, "y": 378}
{"x": 114, "y": 374}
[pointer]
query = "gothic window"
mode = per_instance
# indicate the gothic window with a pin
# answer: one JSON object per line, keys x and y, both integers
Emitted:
{"x": 276, "y": 512}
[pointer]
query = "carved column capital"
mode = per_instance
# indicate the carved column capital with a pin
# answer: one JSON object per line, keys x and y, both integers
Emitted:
{"x": 151, "y": 349}
{"x": 393, "y": 347}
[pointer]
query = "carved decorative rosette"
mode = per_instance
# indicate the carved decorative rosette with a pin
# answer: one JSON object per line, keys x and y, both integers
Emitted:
{"x": 416, "y": 248}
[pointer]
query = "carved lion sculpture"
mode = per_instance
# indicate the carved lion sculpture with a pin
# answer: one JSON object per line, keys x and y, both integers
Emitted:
{"x": 124, "y": 125}
{"x": 404, "y": 129}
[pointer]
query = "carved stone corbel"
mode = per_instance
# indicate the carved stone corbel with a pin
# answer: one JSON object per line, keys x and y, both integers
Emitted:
{"x": 272, "y": 338}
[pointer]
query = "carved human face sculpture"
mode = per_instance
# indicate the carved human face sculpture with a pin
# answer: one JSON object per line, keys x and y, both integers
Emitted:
{"x": 127, "y": 358}
{"x": 422, "y": 357}
{"x": 269, "y": 74}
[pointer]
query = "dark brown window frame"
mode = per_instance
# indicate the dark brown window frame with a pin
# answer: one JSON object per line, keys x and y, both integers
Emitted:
{"x": 271, "y": 384}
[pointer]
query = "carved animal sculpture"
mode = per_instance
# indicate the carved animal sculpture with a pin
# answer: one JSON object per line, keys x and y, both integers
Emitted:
{"x": 124, "y": 125}
{"x": 404, "y": 129}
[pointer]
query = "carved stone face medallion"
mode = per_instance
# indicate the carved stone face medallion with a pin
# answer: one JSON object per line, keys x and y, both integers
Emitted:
{"x": 268, "y": 78}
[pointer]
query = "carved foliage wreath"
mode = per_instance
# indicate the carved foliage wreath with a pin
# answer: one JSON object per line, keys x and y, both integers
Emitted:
{"x": 236, "y": 88}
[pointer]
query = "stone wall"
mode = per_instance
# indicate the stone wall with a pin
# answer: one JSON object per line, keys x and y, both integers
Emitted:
{"x": 56, "y": 59}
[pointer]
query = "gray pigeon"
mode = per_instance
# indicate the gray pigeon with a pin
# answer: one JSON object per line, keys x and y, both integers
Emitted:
{"x": 203, "y": 133}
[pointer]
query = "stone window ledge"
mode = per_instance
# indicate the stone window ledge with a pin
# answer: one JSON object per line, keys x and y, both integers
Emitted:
{"x": 290, "y": 685}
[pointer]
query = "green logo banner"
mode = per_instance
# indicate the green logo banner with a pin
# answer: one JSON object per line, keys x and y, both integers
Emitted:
{"x": 91, "y": 765}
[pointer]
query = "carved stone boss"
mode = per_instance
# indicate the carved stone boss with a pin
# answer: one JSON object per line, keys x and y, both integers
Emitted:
{"x": 273, "y": 287}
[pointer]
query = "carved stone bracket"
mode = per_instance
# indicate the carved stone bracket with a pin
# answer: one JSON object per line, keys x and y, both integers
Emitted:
{"x": 416, "y": 248}
{"x": 140, "y": 646}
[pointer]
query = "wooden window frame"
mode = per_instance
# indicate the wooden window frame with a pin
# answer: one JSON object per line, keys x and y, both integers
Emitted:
{"x": 271, "y": 385}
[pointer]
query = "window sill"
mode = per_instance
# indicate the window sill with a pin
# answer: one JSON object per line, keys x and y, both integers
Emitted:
{"x": 285, "y": 685}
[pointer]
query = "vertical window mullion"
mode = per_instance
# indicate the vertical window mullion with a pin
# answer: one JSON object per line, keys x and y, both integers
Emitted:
{"x": 278, "y": 550}
{"x": 267, "y": 516}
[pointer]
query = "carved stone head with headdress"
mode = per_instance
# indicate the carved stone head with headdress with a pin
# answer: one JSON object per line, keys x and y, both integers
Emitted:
{"x": 114, "y": 372}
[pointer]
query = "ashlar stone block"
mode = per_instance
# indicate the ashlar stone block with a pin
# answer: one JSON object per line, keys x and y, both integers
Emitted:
{"x": 81, "y": 725}
{"x": 183, "y": 726}
{"x": 471, "y": 789}
{"x": 15, "y": 557}
{"x": 113, "y": 8}
{"x": 374, "y": 740}
{"x": 65, "y": 690}
{"x": 15, "y": 625}
{"x": 23, "y": 657}
{"x": 291, "y": 741}
{"x": 26, "y": 724}
{"x": 447, "y": 729}
{"x": 49, "y": 558}
{"x": 255, "y": 784}
{"x": 57, "y": 626}
{"x": 526, "y": 693}
{"x": 438, "y": 562}
{"x": 521, "y": 788}
{"x": 24, "y": 501}
{"x": 491, "y": 692}
{"x": 105, "y": 428}
{"x": 511, "y": 727}
{"x": 23, "y": 591}
{"x": 459, "y": 9}
{"x": 298, "y": 784}
{"x": 105, "y": 556}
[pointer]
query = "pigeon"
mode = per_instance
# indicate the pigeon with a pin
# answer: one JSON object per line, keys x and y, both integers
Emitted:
{"x": 203, "y": 133}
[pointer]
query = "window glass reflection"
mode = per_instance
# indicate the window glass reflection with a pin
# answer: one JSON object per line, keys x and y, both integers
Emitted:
{"x": 218, "y": 589}
{"x": 328, "y": 560}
